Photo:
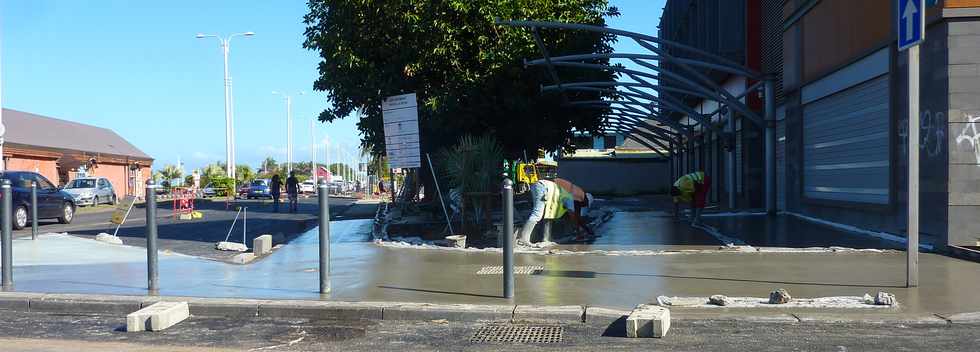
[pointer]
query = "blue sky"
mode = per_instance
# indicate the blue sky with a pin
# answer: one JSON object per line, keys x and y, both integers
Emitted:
{"x": 136, "y": 68}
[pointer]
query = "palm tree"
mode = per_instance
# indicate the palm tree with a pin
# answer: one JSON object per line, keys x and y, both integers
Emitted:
{"x": 170, "y": 173}
{"x": 244, "y": 174}
{"x": 269, "y": 165}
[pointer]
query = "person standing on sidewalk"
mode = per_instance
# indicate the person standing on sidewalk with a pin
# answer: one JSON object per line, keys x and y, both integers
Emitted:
{"x": 691, "y": 188}
{"x": 275, "y": 189}
{"x": 292, "y": 190}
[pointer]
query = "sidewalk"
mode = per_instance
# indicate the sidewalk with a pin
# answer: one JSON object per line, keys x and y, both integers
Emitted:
{"x": 362, "y": 271}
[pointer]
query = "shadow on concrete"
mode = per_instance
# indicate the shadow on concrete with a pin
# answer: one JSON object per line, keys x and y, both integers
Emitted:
{"x": 440, "y": 292}
{"x": 793, "y": 232}
{"x": 592, "y": 274}
{"x": 616, "y": 329}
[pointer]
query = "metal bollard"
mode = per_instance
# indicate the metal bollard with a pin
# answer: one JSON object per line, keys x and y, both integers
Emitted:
{"x": 508, "y": 250}
{"x": 324, "y": 237}
{"x": 7, "y": 251}
{"x": 151, "y": 237}
{"x": 33, "y": 210}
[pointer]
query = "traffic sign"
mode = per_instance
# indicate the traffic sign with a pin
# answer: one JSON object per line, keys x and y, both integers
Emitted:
{"x": 401, "y": 128}
{"x": 911, "y": 22}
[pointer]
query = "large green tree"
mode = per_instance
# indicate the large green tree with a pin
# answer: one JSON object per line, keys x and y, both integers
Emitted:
{"x": 468, "y": 71}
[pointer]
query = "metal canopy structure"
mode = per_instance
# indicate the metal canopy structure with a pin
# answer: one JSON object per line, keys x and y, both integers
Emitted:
{"x": 643, "y": 107}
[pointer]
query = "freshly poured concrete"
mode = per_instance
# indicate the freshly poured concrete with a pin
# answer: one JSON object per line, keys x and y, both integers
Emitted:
{"x": 362, "y": 271}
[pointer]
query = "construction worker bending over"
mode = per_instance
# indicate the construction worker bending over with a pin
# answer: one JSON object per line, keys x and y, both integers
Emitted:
{"x": 581, "y": 200}
{"x": 550, "y": 202}
{"x": 691, "y": 188}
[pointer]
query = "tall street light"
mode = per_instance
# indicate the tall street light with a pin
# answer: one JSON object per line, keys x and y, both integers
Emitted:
{"x": 313, "y": 150}
{"x": 229, "y": 114}
{"x": 289, "y": 130}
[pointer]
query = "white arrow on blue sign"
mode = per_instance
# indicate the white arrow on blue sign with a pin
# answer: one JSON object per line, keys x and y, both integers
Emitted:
{"x": 911, "y": 23}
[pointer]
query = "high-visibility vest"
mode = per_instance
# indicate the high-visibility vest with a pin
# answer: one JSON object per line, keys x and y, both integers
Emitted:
{"x": 686, "y": 185}
{"x": 554, "y": 205}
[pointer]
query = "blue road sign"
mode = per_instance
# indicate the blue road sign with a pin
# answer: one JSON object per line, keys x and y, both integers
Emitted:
{"x": 911, "y": 23}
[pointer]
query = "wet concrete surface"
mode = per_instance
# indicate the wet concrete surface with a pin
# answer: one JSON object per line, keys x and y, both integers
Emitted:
{"x": 198, "y": 237}
{"x": 48, "y": 332}
{"x": 790, "y": 231}
{"x": 362, "y": 271}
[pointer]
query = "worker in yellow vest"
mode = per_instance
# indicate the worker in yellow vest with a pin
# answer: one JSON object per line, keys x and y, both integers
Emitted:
{"x": 550, "y": 202}
{"x": 691, "y": 188}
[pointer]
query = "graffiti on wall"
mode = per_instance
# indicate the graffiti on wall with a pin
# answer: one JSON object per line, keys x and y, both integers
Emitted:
{"x": 969, "y": 136}
{"x": 932, "y": 134}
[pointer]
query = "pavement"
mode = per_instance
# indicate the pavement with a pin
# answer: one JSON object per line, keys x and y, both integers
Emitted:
{"x": 21, "y": 331}
{"x": 198, "y": 237}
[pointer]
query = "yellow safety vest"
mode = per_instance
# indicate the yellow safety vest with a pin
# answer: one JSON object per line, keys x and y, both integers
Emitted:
{"x": 554, "y": 205}
{"x": 686, "y": 185}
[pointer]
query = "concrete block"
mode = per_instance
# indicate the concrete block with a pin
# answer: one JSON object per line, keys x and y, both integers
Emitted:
{"x": 185, "y": 216}
{"x": 262, "y": 245}
{"x": 243, "y": 258}
{"x": 449, "y": 312}
{"x": 604, "y": 315}
{"x": 648, "y": 321}
{"x": 16, "y": 302}
{"x": 157, "y": 317}
{"x": 457, "y": 241}
{"x": 870, "y": 318}
{"x": 321, "y": 310}
{"x": 550, "y": 314}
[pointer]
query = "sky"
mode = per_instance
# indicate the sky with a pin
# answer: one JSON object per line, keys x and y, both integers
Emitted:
{"x": 136, "y": 68}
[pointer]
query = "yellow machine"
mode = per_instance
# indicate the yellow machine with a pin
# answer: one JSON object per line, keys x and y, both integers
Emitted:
{"x": 528, "y": 173}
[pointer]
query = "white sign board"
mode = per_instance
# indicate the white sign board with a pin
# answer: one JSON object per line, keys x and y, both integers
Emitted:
{"x": 401, "y": 123}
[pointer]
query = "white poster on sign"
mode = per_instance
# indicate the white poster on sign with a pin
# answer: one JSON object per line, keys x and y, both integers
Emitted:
{"x": 401, "y": 127}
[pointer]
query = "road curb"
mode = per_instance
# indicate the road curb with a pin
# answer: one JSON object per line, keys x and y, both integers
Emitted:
{"x": 339, "y": 310}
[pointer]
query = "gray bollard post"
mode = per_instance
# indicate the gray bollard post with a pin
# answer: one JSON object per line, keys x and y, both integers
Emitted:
{"x": 323, "y": 194}
{"x": 6, "y": 207}
{"x": 151, "y": 237}
{"x": 33, "y": 210}
{"x": 508, "y": 250}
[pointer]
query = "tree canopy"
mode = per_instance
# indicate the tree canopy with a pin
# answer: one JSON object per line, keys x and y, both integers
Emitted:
{"x": 467, "y": 71}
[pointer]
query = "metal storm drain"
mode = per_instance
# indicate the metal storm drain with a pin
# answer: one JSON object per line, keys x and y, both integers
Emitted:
{"x": 515, "y": 333}
{"x": 518, "y": 270}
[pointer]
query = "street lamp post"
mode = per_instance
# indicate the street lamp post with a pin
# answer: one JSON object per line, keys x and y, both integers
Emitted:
{"x": 229, "y": 113}
{"x": 313, "y": 151}
{"x": 289, "y": 129}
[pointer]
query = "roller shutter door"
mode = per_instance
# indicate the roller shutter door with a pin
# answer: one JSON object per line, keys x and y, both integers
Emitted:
{"x": 845, "y": 145}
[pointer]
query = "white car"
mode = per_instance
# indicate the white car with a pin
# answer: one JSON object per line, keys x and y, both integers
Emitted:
{"x": 307, "y": 187}
{"x": 91, "y": 191}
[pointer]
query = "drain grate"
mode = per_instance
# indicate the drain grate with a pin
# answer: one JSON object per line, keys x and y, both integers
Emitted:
{"x": 513, "y": 333}
{"x": 518, "y": 270}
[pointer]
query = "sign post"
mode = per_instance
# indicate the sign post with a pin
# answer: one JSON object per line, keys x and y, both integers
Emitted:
{"x": 911, "y": 25}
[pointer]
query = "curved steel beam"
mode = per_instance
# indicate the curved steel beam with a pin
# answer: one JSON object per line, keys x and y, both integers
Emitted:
{"x": 633, "y": 35}
{"x": 632, "y": 107}
{"x": 582, "y": 57}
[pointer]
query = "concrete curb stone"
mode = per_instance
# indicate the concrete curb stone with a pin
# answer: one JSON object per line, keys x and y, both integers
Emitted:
{"x": 91, "y": 304}
{"x": 604, "y": 315}
{"x": 549, "y": 314}
{"x": 450, "y": 312}
{"x": 965, "y": 318}
{"x": 321, "y": 310}
{"x": 215, "y": 307}
{"x": 871, "y": 318}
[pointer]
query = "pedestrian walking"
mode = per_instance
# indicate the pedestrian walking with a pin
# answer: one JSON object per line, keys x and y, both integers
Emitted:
{"x": 292, "y": 191}
{"x": 691, "y": 188}
{"x": 275, "y": 189}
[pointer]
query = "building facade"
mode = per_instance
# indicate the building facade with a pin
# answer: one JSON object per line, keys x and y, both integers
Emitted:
{"x": 842, "y": 141}
{"x": 63, "y": 150}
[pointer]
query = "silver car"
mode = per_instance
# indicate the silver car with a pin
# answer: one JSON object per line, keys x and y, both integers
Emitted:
{"x": 91, "y": 191}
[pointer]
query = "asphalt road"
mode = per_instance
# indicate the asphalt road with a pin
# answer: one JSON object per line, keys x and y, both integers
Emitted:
{"x": 52, "y": 332}
{"x": 198, "y": 237}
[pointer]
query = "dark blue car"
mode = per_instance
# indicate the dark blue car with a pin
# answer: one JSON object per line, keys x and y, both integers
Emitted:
{"x": 52, "y": 203}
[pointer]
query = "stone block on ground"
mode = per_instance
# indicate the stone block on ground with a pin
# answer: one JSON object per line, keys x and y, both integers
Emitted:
{"x": 243, "y": 258}
{"x": 157, "y": 317}
{"x": 648, "y": 321}
{"x": 718, "y": 300}
{"x": 230, "y": 246}
{"x": 262, "y": 245}
{"x": 885, "y": 299}
{"x": 185, "y": 216}
{"x": 107, "y": 238}
{"x": 449, "y": 312}
{"x": 780, "y": 296}
{"x": 457, "y": 241}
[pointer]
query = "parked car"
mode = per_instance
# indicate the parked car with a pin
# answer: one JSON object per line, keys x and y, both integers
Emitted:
{"x": 91, "y": 191}
{"x": 307, "y": 187}
{"x": 243, "y": 191}
{"x": 208, "y": 191}
{"x": 259, "y": 189}
{"x": 52, "y": 203}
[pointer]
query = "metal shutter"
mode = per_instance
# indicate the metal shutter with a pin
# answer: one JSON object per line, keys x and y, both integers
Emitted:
{"x": 845, "y": 145}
